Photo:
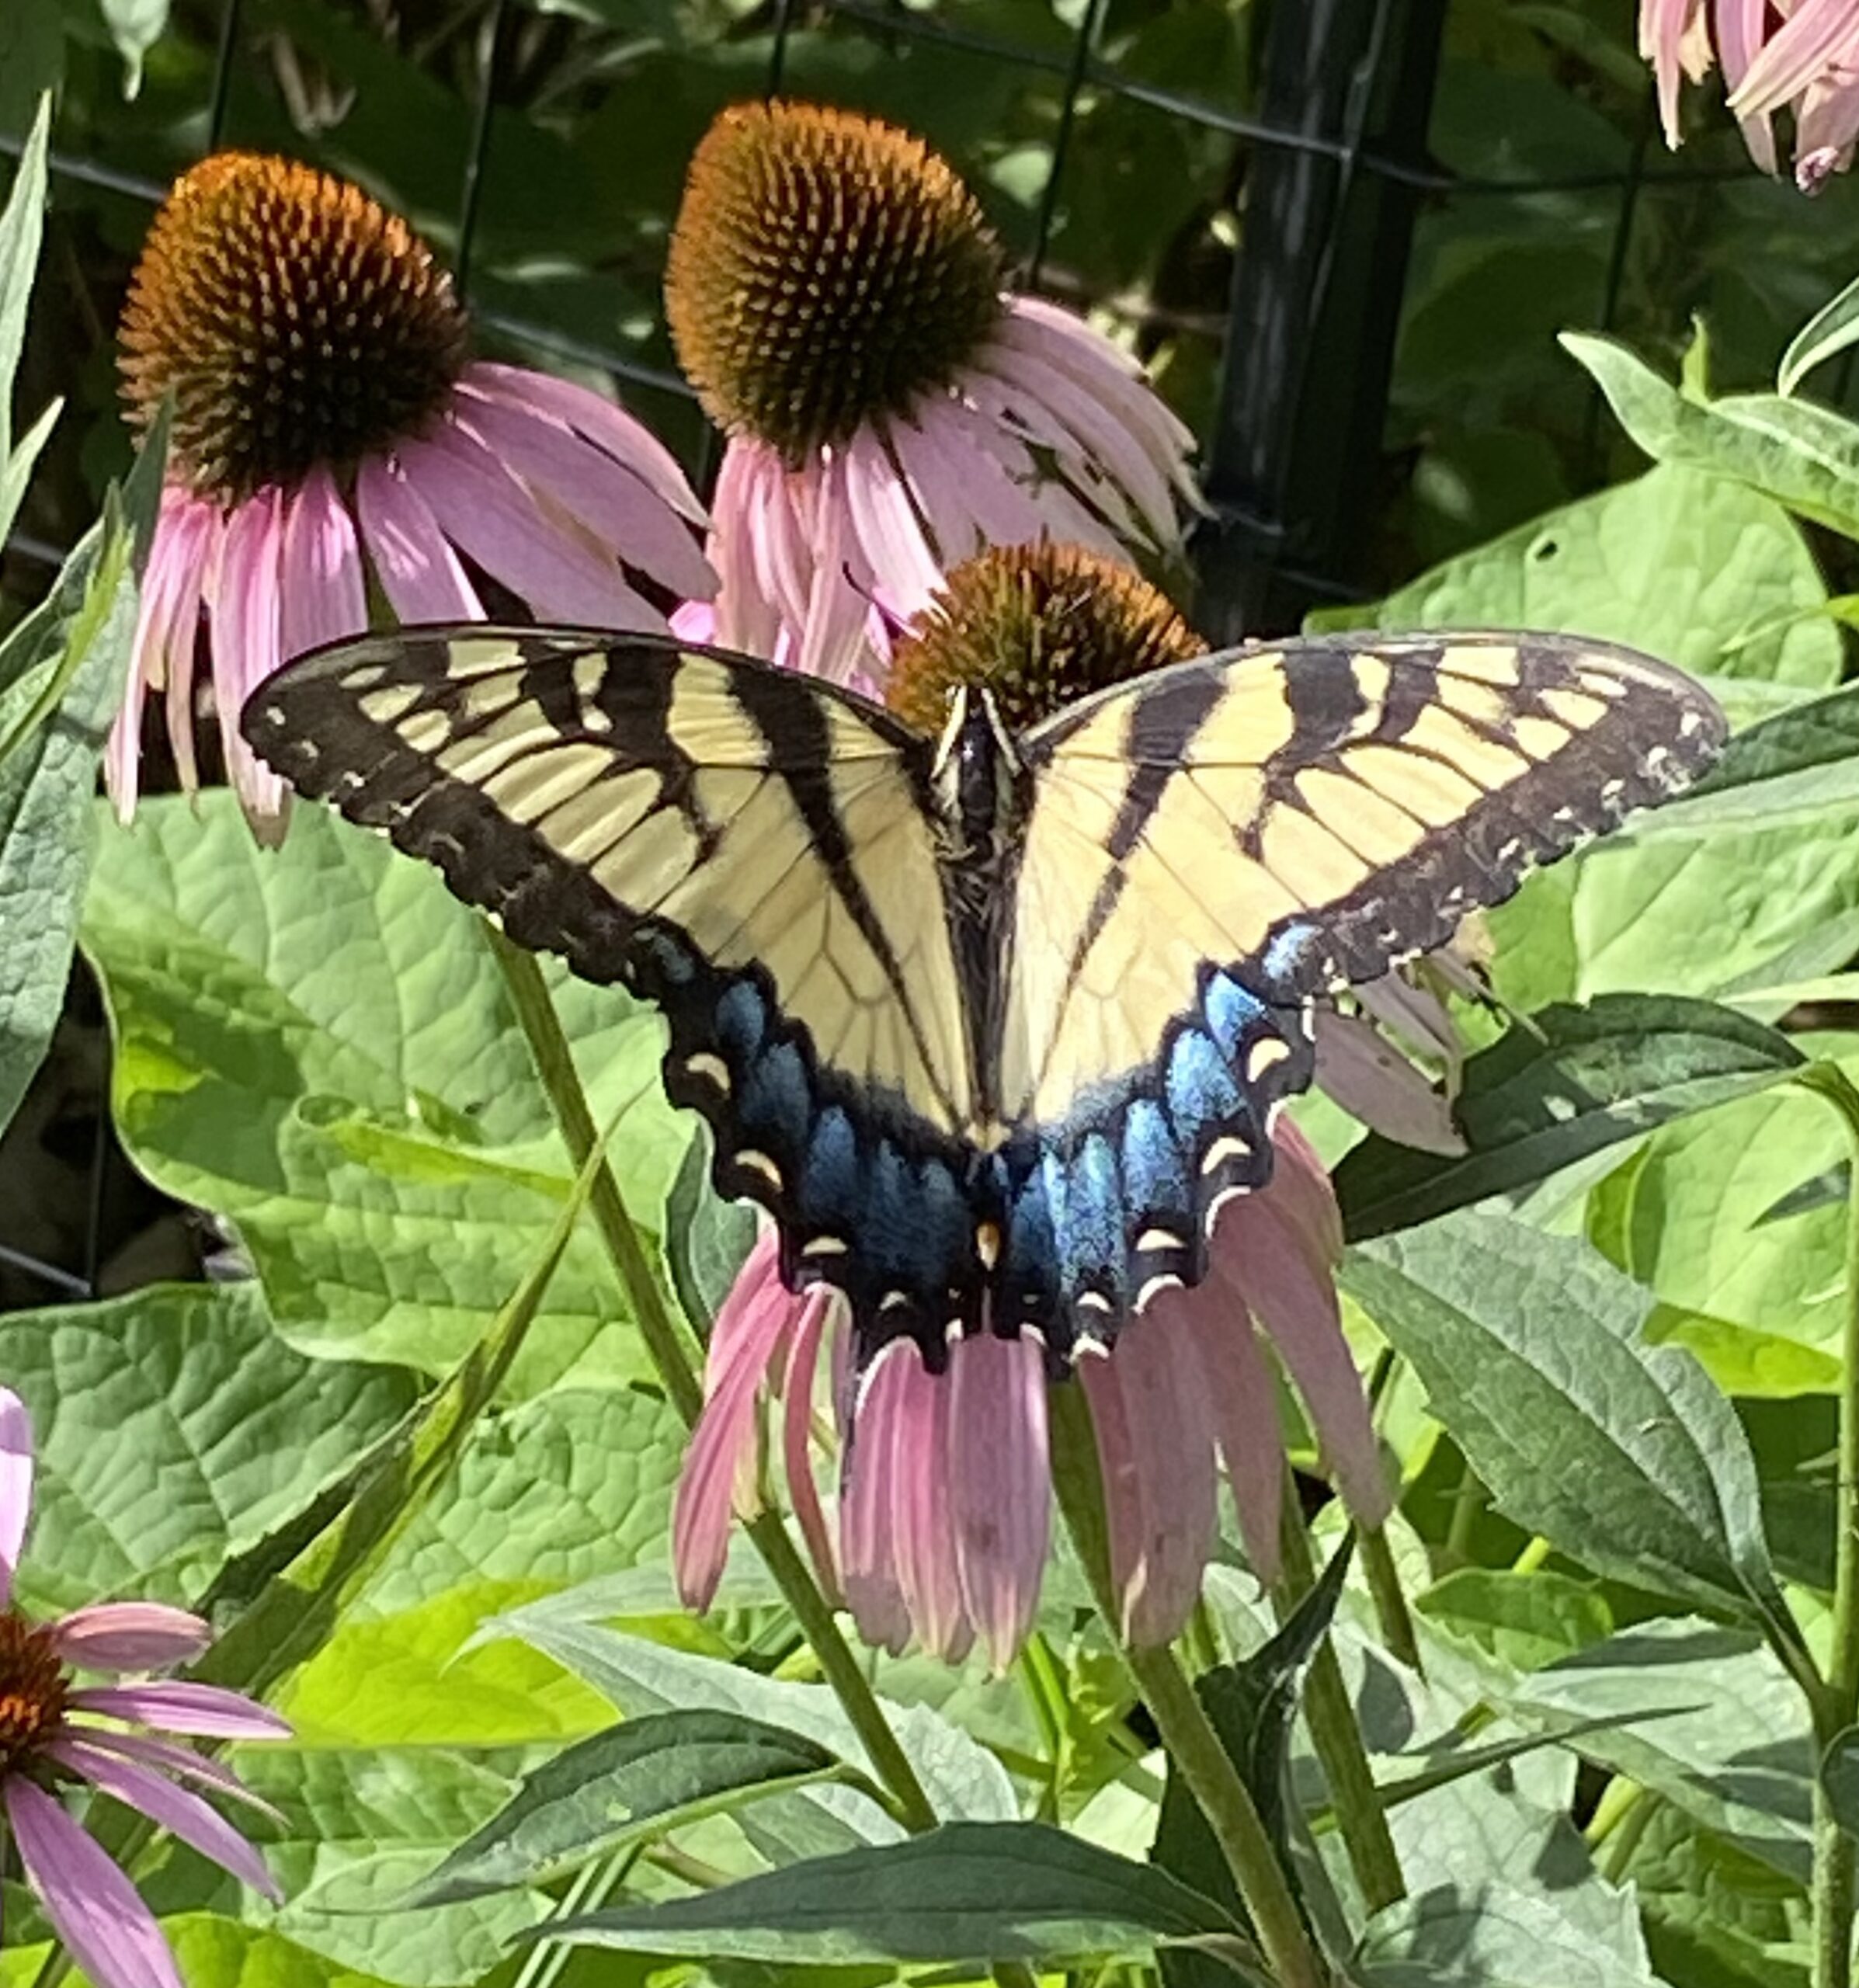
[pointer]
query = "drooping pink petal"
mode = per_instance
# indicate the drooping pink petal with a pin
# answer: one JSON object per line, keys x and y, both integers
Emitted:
{"x": 1662, "y": 30}
{"x": 92, "y": 1906}
{"x": 208, "y": 1711}
{"x": 1242, "y": 1409}
{"x": 1369, "y": 1077}
{"x": 205, "y": 546}
{"x": 183, "y": 1762}
{"x": 419, "y": 572}
{"x": 170, "y": 587}
{"x": 1169, "y": 1530}
{"x": 123, "y": 750}
{"x": 245, "y": 646}
{"x": 628, "y": 441}
{"x": 747, "y": 617}
{"x": 867, "y": 1545}
{"x": 1119, "y": 1468}
{"x": 831, "y": 634}
{"x": 797, "y": 1436}
{"x": 1041, "y": 505}
{"x": 129, "y": 1635}
{"x": 696, "y": 622}
{"x": 886, "y": 526}
{"x": 322, "y": 598}
{"x": 925, "y": 1540}
{"x": 1260, "y": 1251}
{"x": 1302, "y": 1192}
{"x": 178, "y": 1810}
{"x": 15, "y": 1486}
{"x": 750, "y": 1326}
{"x": 1740, "y": 27}
{"x": 1819, "y": 36}
{"x": 1826, "y": 124}
{"x": 1000, "y": 1484}
{"x": 490, "y": 516}
{"x": 627, "y": 514}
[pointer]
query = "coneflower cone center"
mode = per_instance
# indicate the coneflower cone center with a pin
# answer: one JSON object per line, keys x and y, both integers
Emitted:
{"x": 32, "y": 1690}
{"x": 296, "y": 321}
{"x": 1040, "y": 626}
{"x": 825, "y": 270}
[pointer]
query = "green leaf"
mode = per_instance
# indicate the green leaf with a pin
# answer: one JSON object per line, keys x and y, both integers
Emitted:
{"x": 963, "y": 1781}
{"x": 1525, "y": 1620}
{"x": 1739, "y": 1759}
{"x": 971, "y": 1892}
{"x": 1566, "y": 1084}
{"x": 315, "y": 1042}
{"x": 706, "y": 1238}
{"x": 22, "y": 223}
{"x": 635, "y": 1781}
{"x": 1831, "y": 331}
{"x": 1839, "y": 1777}
{"x": 176, "y": 1430}
{"x": 62, "y": 670}
{"x": 1622, "y": 1454}
{"x": 1490, "y": 1937}
{"x": 1804, "y": 456}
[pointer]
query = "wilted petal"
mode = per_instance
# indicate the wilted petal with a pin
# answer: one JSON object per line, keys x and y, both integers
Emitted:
{"x": 208, "y": 1710}
{"x": 129, "y": 1635}
{"x": 797, "y": 1435}
{"x": 1000, "y": 1484}
{"x": 91, "y": 1905}
{"x": 1242, "y": 1409}
{"x": 15, "y": 1486}
{"x": 177, "y": 1810}
{"x": 922, "y": 1528}
{"x": 1819, "y": 36}
{"x": 1369, "y": 1077}
{"x": 867, "y": 1544}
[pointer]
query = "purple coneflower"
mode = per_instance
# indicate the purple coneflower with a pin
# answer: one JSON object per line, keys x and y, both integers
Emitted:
{"x": 330, "y": 428}
{"x": 942, "y": 1519}
{"x": 57, "y": 1735}
{"x": 1799, "y": 55}
{"x": 835, "y": 298}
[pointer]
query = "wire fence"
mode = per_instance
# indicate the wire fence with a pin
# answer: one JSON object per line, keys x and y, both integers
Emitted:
{"x": 1337, "y": 170}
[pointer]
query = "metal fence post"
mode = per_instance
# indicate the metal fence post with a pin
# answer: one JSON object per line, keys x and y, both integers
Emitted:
{"x": 1316, "y": 305}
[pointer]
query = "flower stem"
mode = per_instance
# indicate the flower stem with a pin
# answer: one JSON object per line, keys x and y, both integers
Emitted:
{"x": 1193, "y": 1746}
{"x": 1384, "y": 1578}
{"x": 1337, "y": 1737}
{"x": 555, "y": 1065}
{"x": 1836, "y": 1889}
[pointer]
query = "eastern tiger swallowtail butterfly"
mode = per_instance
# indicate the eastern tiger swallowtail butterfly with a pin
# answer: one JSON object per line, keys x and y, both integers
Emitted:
{"x": 991, "y": 1025}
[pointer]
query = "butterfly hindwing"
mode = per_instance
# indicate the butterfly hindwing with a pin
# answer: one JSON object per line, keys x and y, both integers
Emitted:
{"x": 747, "y": 847}
{"x": 1211, "y": 847}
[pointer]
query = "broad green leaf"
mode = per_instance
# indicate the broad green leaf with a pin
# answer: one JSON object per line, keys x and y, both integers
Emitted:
{"x": 1621, "y": 1454}
{"x": 1803, "y": 456}
{"x": 1685, "y": 565}
{"x": 1739, "y": 1759}
{"x": 966, "y": 1892}
{"x": 1490, "y": 1936}
{"x": 706, "y": 1238}
{"x": 963, "y": 1781}
{"x": 22, "y": 225}
{"x": 1819, "y": 731}
{"x": 1831, "y": 331}
{"x": 1714, "y": 1915}
{"x": 1524, "y": 1620}
{"x": 315, "y": 1042}
{"x": 634, "y": 1781}
{"x": 175, "y": 1430}
{"x": 62, "y": 671}
{"x": 1552, "y": 1092}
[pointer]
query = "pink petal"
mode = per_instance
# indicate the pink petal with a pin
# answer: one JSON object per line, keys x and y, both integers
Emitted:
{"x": 129, "y": 1635}
{"x": 322, "y": 599}
{"x": 172, "y": 575}
{"x": 1047, "y": 509}
{"x": 1242, "y": 1411}
{"x": 921, "y": 1483}
{"x": 999, "y": 1485}
{"x": 419, "y": 572}
{"x": 1258, "y": 1252}
{"x": 797, "y": 1436}
{"x": 15, "y": 1486}
{"x": 246, "y": 646}
{"x": 747, "y": 617}
{"x": 831, "y": 635}
{"x": 1740, "y": 24}
{"x": 123, "y": 751}
{"x": 628, "y": 441}
{"x": 177, "y": 1810}
{"x": 886, "y": 526}
{"x": 1819, "y": 36}
{"x": 180, "y": 1761}
{"x": 207, "y": 1710}
{"x": 628, "y": 516}
{"x": 1661, "y": 33}
{"x": 1168, "y": 1474}
{"x": 91, "y": 1905}
{"x": 867, "y": 1559}
{"x": 1300, "y": 1191}
{"x": 544, "y": 558}
{"x": 207, "y": 545}
{"x": 1364, "y": 1072}
{"x": 696, "y": 622}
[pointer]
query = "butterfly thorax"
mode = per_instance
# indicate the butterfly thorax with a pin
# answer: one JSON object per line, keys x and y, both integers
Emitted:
{"x": 982, "y": 789}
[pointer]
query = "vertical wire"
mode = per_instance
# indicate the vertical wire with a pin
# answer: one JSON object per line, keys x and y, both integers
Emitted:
{"x": 222, "y": 73}
{"x": 777, "y": 51}
{"x": 1083, "y": 43}
{"x": 472, "y": 192}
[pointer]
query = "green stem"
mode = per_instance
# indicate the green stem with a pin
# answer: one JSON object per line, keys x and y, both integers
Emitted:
{"x": 1337, "y": 1736}
{"x": 1836, "y": 1889}
{"x": 1467, "y": 1502}
{"x": 1384, "y": 1578}
{"x": 1193, "y": 1746}
{"x": 555, "y": 1065}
